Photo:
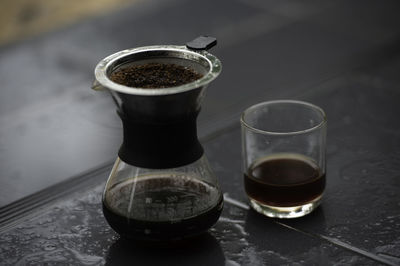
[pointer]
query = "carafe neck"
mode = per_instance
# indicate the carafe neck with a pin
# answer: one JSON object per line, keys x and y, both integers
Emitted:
{"x": 153, "y": 145}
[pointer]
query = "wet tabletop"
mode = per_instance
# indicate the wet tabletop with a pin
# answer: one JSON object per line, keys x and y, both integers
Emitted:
{"x": 358, "y": 222}
{"x": 58, "y": 139}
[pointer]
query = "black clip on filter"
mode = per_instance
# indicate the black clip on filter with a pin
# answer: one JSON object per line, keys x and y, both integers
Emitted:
{"x": 202, "y": 43}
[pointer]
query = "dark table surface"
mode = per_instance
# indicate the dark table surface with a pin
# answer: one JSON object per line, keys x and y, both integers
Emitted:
{"x": 58, "y": 138}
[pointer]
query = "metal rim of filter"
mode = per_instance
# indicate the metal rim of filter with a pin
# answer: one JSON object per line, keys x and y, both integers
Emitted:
{"x": 109, "y": 64}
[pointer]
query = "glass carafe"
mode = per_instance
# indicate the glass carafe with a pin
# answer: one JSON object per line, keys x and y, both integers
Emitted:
{"x": 161, "y": 186}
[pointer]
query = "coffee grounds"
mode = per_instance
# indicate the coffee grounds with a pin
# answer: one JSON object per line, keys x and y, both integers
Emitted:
{"x": 154, "y": 75}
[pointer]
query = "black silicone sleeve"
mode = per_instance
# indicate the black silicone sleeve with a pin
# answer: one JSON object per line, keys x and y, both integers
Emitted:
{"x": 160, "y": 146}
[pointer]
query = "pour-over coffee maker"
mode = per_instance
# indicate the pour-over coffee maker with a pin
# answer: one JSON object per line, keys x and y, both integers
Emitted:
{"x": 161, "y": 186}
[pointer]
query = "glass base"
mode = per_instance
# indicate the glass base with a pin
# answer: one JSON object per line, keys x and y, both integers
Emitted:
{"x": 285, "y": 212}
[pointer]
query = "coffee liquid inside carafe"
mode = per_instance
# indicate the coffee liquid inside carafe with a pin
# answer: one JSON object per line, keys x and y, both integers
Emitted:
{"x": 162, "y": 210}
{"x": 161, "y": 187}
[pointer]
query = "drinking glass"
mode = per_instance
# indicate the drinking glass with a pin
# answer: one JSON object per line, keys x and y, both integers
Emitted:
{"x": 283, "y": 150}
